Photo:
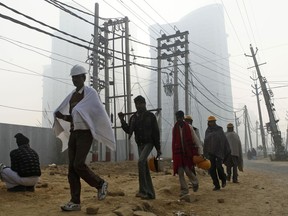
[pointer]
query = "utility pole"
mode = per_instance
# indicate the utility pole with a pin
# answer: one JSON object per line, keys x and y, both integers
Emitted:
{"x": 187, "y": 102}
{"x": 247, "y": 126}
{"x": 159, "y": 85}
{"x": 249, "y": 129}
{"x": 95, "y": 146}
{"x": 286, "y": 131}
{"x": 272, "y": 125}
{"x": 95, "y": 47}
{"x": 257, "y": 123}
{"x": 176, "y": 100}
{"x": 128, "y": 77}
{"x": 260, "y": 118}
{"x": 107, "y": 83}
{"x": 287, "y": 138}
{"x": 173, "y": 44}
{"x": 236, "y": 122}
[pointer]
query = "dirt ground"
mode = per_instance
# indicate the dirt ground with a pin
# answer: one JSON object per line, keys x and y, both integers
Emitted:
{"x": 258, "y": 193}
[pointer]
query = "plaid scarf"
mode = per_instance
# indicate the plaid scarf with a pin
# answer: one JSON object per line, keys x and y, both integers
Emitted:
{"x": 183, "y": 149}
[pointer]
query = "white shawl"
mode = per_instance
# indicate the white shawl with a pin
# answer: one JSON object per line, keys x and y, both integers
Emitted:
{"x": 91, "y": 110}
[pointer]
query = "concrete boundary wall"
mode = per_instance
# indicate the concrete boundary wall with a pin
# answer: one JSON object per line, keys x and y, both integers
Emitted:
{"x": 47, "y": 145}
{"x": 42, "y": 140}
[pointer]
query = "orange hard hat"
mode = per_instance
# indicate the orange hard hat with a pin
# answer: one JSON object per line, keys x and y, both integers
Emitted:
{"x": 153, "y": 164}
{"x": 205, "y": 164}
{"x": 198, "y": 158}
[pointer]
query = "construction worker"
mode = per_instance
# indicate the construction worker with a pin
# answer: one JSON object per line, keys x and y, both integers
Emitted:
{"x": 195, "y": 133}
{"x": 235, "y": 161}
{"x": 183, "y": 150}
{"x": 189, "y": 120}
{"x": 144, "y": 125}
{"x": 216, "y": 149}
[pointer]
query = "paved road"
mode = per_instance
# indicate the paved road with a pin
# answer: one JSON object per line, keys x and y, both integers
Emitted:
{"x": 265, "y": 165}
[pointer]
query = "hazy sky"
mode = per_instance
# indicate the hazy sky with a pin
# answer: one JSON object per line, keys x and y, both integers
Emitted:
{"x": 261, "y": 23}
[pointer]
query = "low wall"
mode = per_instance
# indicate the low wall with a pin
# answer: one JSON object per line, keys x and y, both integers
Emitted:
{"x": 42, "y": 140}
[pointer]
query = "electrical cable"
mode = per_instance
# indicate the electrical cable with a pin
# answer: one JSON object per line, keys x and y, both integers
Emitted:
{"x": 138, "y": 17}
{"x": 68, "y": 11}
{"x": 42, "y": 31}
{"x": 39, "y": 22}
{"x": 132, "y": 22}
{"x": 45, "y": 76}
{"x": 12, "y": 41}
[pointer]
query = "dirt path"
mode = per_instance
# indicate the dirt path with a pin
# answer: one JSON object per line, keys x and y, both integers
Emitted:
{"x": 259, "y": 193}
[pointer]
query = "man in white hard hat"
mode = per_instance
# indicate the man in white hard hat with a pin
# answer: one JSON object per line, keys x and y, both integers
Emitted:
{"x": 88, "y": 120}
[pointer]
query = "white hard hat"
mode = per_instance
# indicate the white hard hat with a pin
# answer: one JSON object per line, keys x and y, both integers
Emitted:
{"x": 77, "y": 69}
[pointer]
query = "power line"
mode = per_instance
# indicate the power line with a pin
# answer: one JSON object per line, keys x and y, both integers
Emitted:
{"x": 29, "y": 110}
{"x": 138, "y": 17}
{"x": 249, "y": 21}
{"x": 12, "y": 41}
{"x": 53, "y": 78}
{"x": 147, "y": 15}
{"x": 232, "y": 26}
{"x": 37, "y": 21}
{"x": 158, "y": 14}
{"x": 211, "y": 62}
{"x": 42, "y": 31}
{"x": 243, "y": 21}
{"x": 59, "y": 2}
{"x": 132, "y": 22}
{"x": 67, "y": 11}
{"x": 191, "y": 72}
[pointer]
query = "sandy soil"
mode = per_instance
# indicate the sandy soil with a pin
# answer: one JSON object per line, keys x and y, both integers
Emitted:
{"x": 259, "y": 193}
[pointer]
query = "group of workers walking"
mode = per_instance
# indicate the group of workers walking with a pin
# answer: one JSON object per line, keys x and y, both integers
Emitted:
{"x": 82, "y": 115}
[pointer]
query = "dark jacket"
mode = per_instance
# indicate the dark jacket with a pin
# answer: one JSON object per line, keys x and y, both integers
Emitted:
{"x": 25, "y": 161}
{"x": 216, "y": 143}
{"x": 145, "y": 128}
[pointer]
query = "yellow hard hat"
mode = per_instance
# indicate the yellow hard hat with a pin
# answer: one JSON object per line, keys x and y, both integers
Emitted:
{"x": 205, "y": 164}
{"x": 230, "y": 125}
{"x": 188, "y": 117}
{"x": 211, "y": 118}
